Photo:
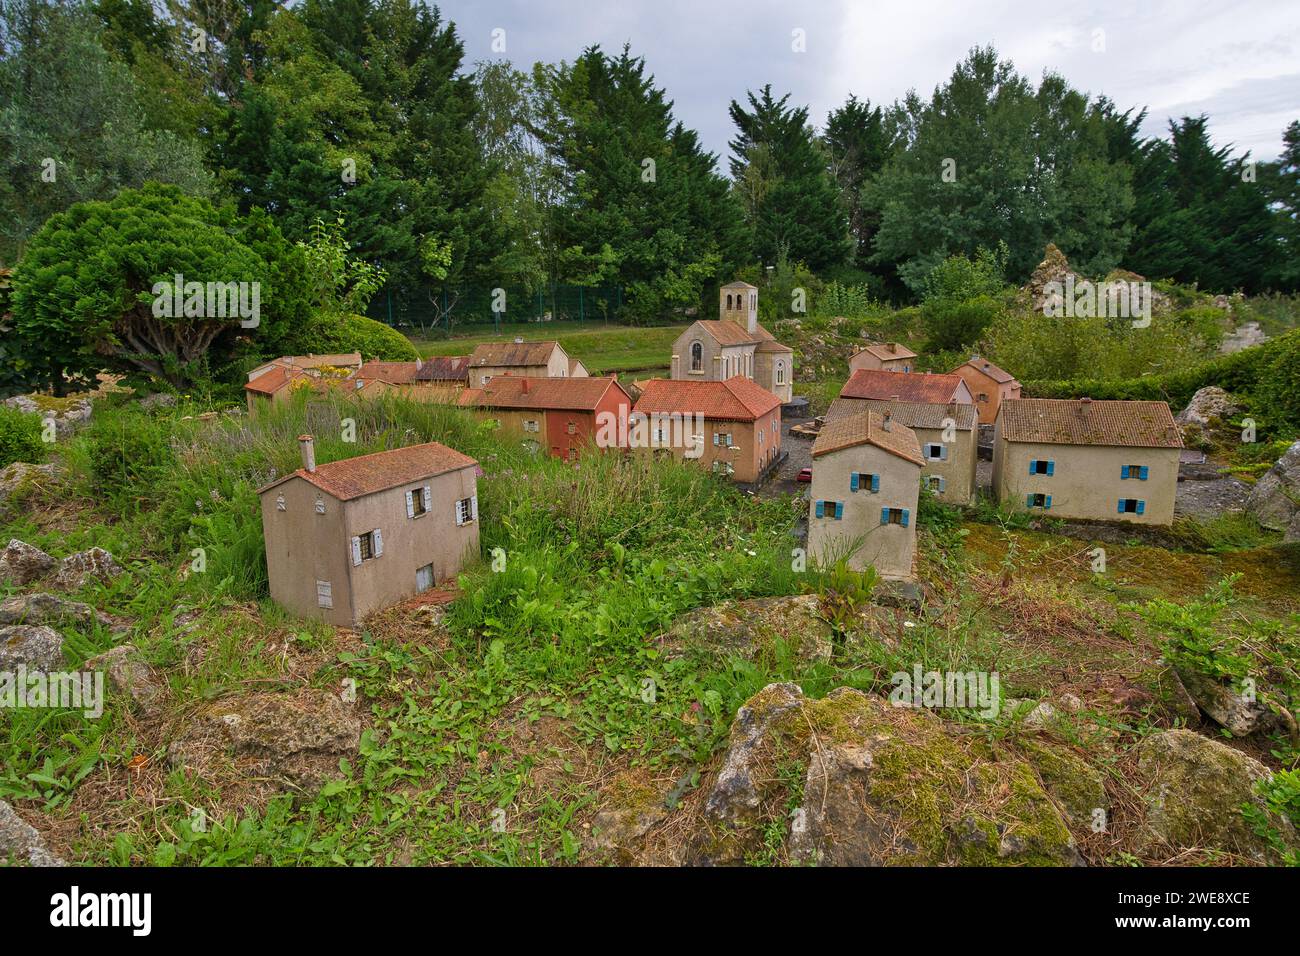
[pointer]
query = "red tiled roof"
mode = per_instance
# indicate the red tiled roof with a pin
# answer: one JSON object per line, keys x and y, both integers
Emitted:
{"x": 903, "y": 386}
{"x": 351, "y": 478}
{"x": 737, "y": 399}
{"x": 270, "y": 382}
{"x": 988, "y": 368}
{"x": 911, "y": 414}
{"x": 1085, "y": 422}
{"x": 725, "y": 333}
{"x": 522, "y": 391}
{"x": 507, "y": 354}
{"x": 868, "y": 428}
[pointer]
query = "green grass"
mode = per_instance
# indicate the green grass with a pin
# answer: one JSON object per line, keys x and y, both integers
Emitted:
{"x": 601, "y": 348}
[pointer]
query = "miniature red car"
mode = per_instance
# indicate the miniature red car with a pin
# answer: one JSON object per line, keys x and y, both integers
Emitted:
{"x": 805, "y": 474}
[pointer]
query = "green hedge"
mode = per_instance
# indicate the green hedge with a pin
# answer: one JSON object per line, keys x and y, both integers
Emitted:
{"x": 1267, "y": 376}
{"x": 356, "y": 333}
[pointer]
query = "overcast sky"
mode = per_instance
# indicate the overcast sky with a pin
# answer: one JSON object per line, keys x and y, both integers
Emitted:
{"x": 1239, "y": 61}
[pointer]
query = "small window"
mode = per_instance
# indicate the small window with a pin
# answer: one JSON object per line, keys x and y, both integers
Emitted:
{"x": 898, "y": 516}
{"x": 859, "y": 481}
{"x": 831, "y": 510}
{"x": 415, "y": 503}
{"x": 780, "y": 372}
{"x": 279, "y": 502}
{"x": 983, "y": 397}
{"x": 320, "y": 506}
{"x": 1138, "y": 472}
{"x": 573, "y": 428}
{"x": 367, "y": 545}
{"x": 1042, "y": 466}
{"x": 935, "y": 483}
{"x": 324, "y": 594}
{"x": 573, "y": 453}
{"x": 486, "y": 379}
{"x": 936, "y": 451}
{"x": 1038, "y": 501}
{"x": 697, "y": 357}
{"x": 466, "y": 510}
{"x": 1132, "y": 506}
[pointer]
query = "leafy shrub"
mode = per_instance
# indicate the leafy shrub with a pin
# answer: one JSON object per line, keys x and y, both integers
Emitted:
{"x": 951, "y": 324}
{"x": 20, "y": 437}
{"x": 356, "y": 333}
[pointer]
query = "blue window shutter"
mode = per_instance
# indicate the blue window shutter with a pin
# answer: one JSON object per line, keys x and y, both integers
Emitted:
{"x": 875, "y": 482}
{"x": 1142, "y": 506}
{"x": 1121, "y": 506}
{"x": 1033, "y": 466}
{"x": 821, "y": 509}
{"x": 906, "y": 515}
{"x": 853, "y": 481}
{"x": 943, "y": 482}
{"x": 1047, "y": 502}
{"x": 1142, "y": 472}
{"x": 839, "y": 511}
{"x": 1123, "y": 472}
{"x": 1029, "y": 501}
{"x": 1051, "y": 466}
{"x": 884, "y": 516}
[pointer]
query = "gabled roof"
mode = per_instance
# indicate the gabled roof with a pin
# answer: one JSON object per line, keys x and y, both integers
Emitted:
{"x": 882, "y": 351}
{"x": 394, "y": 373}
{"x": 904, "y": 386}
{"x": 443, "y": 368}
{"x": 272, "y": 380}
{"x": 507, "y": 354}
{"x": 351, "y": 478}
{"x": 1085, "y": 422}
{"x": 868, "y": 428}
{"x": 574, "y": 365}
{"x": 740, "y": 285}
{"x": 522, "y": 391}
{"x": 986, "y": 367}
{"x": 909, "y": 414}
{"x": 724, "y": 332}
{"x": 737, "y": 399}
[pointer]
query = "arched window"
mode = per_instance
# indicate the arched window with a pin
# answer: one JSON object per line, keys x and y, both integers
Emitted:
{"x": 697, "y": 357}
{"x": 780, "y": 371}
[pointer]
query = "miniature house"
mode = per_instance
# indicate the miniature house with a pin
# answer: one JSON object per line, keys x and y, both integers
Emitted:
{"x": 350, "y": 537}
{"x": 865, "y": 487}
{"x": 989, "y": 385}
{"x": 734, "y": 344}
{"x": 887, "y": 357}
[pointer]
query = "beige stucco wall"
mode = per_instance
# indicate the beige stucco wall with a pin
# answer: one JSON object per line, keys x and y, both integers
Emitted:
{"x": 1086, "y": 482}
{"x": 888, "y": 548}
{"x": 739, "y": 358}
{"x": 981, "y": 384}
{"x": 958, "y": 472}
{"x": 303, "y": 547}
{"x": 868, "y": 361}
{"x": 765, "y": 373}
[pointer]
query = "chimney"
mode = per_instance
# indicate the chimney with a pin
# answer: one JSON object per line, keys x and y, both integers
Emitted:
{"x": 893, "y": 348}
{"x": 888, "y": 421}
{"x": 524, "y": 387}
{"x": 1085, "y": 401}
{"x": 308, "y": 446}
{"x": 894, "y": 398}
{"x": 952, "y": 408}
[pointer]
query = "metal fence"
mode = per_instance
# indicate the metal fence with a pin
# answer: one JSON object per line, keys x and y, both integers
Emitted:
{"x": 429, "y": 310}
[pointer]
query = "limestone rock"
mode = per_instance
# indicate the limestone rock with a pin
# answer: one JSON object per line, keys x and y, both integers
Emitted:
{"x": 78, "y": 570}
{"x": 34, "y": 646}
{"x": 21, "y": 842}
{"x": 880, "y": 785}
{"x": 1227, "y": 707}
{"x": 1206, "y": 412}
{"x": 20, "y": 478}
{"x": 1075, "y": 784}
{"x": 1054, "y": 268}
{"x": 44, "y": 608}
{"x": 749, "y": 628}
{"x": 129, "y": 674}
{"x": 298, "y": 738}
{"x": 1275, "y": 499}
{"x": 23, "y": 563}
{"x": 1195, "y": 793}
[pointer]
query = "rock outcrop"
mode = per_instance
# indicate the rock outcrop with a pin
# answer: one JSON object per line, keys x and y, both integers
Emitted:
{"x": 79, "y": 569}
{"x": 23, "y": 563}
{"x": 875, "y": 785}
{"x": 1206, "y": 414}
{"x": 20, "y": 841}
{"x": 45, "y": 608}
{"x": 20, "y": 479}
{"x": 1275, "y": 499}
{"x": 33, "y": 646}
{"x": 295, "y": 738}
{"x": 129, "y": 674}
{"x": 1239, "y": 714}
{"x": 1195, "y": 795}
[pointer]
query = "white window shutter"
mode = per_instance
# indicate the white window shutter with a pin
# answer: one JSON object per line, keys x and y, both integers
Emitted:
{"x": 473, "y": 507}
{"x": 356, "y": 551}
{"x": 428, "y": 498}
{"x": 379, "y": 542}
{"x": 460, "y": 518}
{"x": 410, "y": 504}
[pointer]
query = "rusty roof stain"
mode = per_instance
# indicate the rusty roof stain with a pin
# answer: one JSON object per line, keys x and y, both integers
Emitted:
{"x": 512, "y": 354}
{"x": 1084, "y": 422}
{"x": 443, "y": 368}
{"x": 868, "y": 428}
{"x": 363, "y": 475}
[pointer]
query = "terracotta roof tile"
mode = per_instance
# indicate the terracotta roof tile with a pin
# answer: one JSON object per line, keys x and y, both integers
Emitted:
{"x": 737, "y": 399}
{"x": 1085, "y": 422}
{"x": 444, "y": 368}
{"x": 904, "y": 386}
{"x": 270, "y": 382}
{"x": 909, "y": 414}
{"x": 507, "y": 354}
{"x": 998, "y": 375}
{"x": 868, "y": 428}
{"x": 520, "y": 391}
{"x": 394, "y": 373}
{"x": 726, "y": 333}
{"x": 351, "y": 478}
